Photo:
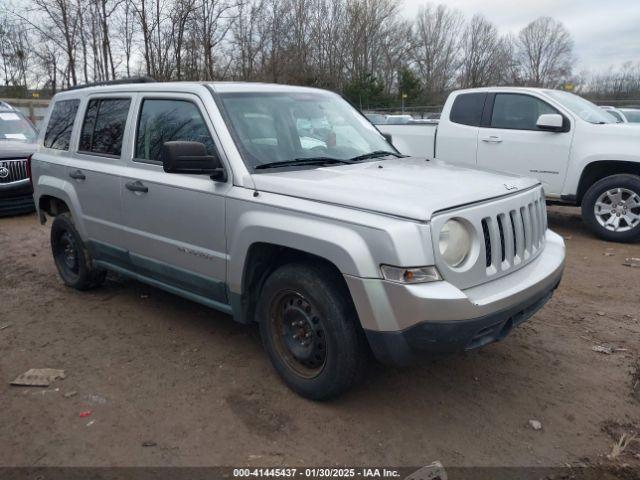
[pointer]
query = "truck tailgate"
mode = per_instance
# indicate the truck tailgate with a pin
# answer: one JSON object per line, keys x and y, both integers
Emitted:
{"x": 415, "y": 140}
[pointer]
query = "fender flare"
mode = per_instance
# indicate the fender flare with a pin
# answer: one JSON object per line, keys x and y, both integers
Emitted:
{"x": 62, "y": 190}
{"x": 340, "y": 245}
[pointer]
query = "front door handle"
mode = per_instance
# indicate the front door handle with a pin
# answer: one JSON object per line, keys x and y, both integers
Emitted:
{"x": 492, "y": 139}
{"x": 77, "y": 175}
{"x": 137, "y": 186}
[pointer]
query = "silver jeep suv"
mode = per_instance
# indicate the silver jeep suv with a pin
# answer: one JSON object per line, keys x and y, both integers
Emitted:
{"x": 284, "y": 206}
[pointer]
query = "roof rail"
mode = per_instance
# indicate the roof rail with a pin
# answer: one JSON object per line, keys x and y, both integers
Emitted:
{"x": 120, "y": 81}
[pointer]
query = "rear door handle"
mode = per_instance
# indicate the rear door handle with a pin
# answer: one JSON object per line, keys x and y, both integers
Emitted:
{"x": 77, "y": 175}
{"x": 492, "y": 139}
{"x": 137, "y": 186}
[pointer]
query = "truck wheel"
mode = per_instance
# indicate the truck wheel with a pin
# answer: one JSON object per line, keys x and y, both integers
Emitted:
{"x": 611, "y": 208}
{"x": 310, "y": 331}
{"x": 72, "y": 257}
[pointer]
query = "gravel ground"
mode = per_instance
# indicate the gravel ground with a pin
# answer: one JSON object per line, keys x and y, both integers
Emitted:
{"x": 170, "y": 382}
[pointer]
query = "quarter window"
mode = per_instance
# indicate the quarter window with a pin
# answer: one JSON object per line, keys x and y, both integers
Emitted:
{"x": 519, "y": 112}
{"x": 163, "y": 120}
{"x": 58, "y": 134}
{"x": 103, "y": 127}
{"x": 467, "y": 109}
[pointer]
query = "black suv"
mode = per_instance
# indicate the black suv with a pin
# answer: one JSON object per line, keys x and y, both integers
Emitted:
{"x": 17, "y": 143}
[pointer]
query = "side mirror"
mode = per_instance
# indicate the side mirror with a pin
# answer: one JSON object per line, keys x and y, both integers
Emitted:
{"x": 550, "y": 122}
{"x": 388, "y": 138}
{"x": 192, "y": 158}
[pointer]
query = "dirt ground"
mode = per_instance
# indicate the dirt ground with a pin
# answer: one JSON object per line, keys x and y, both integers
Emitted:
{"x": 170, "y": 382}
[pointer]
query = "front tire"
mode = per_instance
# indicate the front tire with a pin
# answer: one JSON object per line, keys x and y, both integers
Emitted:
{"x": 71, "y": 256}
{"x": 611, "y": 208}
{"x": 310, "y": 330}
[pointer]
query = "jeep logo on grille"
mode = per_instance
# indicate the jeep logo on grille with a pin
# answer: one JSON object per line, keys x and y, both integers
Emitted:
{"x": 4, "y": 171}
{"x": 510, "y": 187}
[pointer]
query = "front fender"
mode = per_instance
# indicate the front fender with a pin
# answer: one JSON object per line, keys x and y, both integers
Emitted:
{"x": 339, "y": 244}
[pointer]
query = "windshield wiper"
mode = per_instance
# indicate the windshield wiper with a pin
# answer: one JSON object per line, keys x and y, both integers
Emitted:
{"x": 302, "y": 161}
{"x": 376, "y": 154}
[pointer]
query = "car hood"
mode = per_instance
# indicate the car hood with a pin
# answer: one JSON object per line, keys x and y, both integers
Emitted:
{"x": 622, "y": 129}
{"x": 16, "y": 149}
{"x": 412, "y": 188}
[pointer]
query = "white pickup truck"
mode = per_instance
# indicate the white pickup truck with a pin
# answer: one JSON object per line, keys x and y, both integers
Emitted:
{"x": 577, "y": 150}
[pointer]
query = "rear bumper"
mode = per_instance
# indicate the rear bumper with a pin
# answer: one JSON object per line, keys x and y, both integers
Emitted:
{"x": 16, "y": 198}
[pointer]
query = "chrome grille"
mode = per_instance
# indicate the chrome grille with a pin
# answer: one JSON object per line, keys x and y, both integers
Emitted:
{"x": 16, "y": 168}
{"x": 514, "y": 236}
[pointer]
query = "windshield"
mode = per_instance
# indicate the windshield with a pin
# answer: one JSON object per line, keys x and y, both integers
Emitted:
{"x": 587, "y": 111}
{"x": 13, "y": 126}
{"x": 632, "y": 114}
{"x": 285, "y": 126}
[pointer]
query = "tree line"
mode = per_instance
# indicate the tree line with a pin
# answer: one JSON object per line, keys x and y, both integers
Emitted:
{"x": 362, "y": 48}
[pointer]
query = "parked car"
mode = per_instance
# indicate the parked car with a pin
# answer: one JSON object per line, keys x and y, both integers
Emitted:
{"x": 333, "y": 249}
{"x": 569, "y": 144}
{"x": 376, "y": 118}
{"x": 398, "y": 119}
{"x": 631, "y": 115}
{"x": 617, "y": 114}
{"x": 17, "y": 142}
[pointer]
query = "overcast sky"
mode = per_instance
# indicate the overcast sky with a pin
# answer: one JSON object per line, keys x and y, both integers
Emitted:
{"x": 606, "y": 32}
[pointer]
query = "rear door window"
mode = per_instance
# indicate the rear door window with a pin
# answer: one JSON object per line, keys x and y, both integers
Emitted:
{"x": 58, "y": 133}
{"x": 467, "y": 109}
{"x": 104, "y": 126}
{"x": 166, "y": 120}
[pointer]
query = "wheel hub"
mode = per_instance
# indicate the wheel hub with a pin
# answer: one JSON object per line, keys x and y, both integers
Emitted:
{"x": 300, "y": 334}
{"x": 618, "y": 209}
{"x": 69, "y": 251}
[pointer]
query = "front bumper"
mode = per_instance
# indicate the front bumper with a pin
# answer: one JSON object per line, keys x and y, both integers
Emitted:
{"x": 405, "y": 323}
{"x": 16, "y": 198}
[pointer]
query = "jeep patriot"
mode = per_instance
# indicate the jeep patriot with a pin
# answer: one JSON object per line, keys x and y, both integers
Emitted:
{"x": 284, "y": 206}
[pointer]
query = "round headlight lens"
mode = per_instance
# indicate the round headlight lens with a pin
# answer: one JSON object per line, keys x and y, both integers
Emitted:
{"x": 455, "y": 243}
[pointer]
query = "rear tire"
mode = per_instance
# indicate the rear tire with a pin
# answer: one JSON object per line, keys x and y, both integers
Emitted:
{"x": 71, "y": 256}
{"x": 611, "y": 208}
{"x": 311, "y": 331}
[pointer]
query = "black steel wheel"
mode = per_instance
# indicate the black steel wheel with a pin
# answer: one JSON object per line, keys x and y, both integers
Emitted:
{"x": 311, "y": 331}
{"x": 298, "y": 334}
{"x": 71, "y": 256}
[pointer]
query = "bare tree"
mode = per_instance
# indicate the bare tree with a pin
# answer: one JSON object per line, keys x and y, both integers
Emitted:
{"x": 545, "y": 52}
{"x": 483, "y": 54}
{"x": 437, "y": 44}
{"x": 15, "y": 52}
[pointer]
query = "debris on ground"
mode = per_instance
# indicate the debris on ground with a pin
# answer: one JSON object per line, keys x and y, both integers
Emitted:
{"x": 626, "y": 438}
{"x": 149, "y": 443}
{"x": 535, "y": 424}
{"x": 601, "y": 314}
{"x": 96, "y": 399}
{"x": 38, "y": 377}
{"x": 70, "y": 394}
{"x": 434, "y": 471}
{"x": 5, "y": 326}
{"x": 90, "y": 423}
{"x": 621, "y": 445}
{"x": 606, "y": 349}
{"x": 609, "y": 254}
{"x": 85, "y": 413}
{"x": 632, "y": 262}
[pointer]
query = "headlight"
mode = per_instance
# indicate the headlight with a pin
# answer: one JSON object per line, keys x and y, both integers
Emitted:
{"x": 410, "y": 275}
{"x": 454, "y": 243}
